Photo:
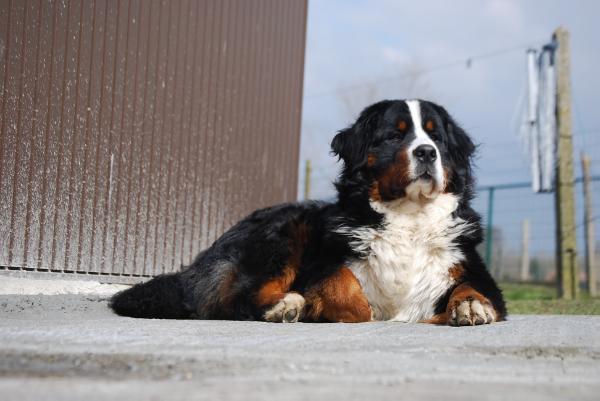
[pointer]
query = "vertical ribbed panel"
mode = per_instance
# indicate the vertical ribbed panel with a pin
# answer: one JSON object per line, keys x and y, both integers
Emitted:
{"x": 133, "y": 133}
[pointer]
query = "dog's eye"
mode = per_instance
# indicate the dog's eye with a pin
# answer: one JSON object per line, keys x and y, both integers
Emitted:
{"x": 429, "y": 126}
{"x": 402, "y": 126}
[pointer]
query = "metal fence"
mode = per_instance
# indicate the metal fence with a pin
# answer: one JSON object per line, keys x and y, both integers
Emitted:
{"x": 512, "y": 205}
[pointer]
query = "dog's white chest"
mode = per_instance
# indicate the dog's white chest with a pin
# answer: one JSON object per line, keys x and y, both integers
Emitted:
{"x": 405, "y": 266}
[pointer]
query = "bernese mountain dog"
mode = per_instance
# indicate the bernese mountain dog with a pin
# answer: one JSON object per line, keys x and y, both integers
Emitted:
{"x": 398, "y": 244}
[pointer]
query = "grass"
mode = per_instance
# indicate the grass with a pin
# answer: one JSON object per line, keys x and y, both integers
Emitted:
{"x": 539, "y": 299}
{"x": 554, "y": 307}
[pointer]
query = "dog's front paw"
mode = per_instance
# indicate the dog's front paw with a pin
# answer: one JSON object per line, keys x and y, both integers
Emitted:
{"x": 288, "y": 310}
{"x": 470, "y": 311}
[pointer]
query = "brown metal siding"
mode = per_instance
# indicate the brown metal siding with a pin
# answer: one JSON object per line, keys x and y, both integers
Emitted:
{"x": 133, "y": 133}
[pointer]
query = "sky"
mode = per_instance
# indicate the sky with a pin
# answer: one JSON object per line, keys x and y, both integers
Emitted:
{"x": 361, "y": 51}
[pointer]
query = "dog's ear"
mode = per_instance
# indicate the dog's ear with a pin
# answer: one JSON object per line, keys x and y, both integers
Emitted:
{"x": 339, "y": 143}
{"x": 349, "y": 146}
{"x": 461, "y": 146}
{"x": 352, "y": 144}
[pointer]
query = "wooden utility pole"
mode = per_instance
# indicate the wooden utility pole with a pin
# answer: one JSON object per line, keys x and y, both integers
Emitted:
{"x": 588, "y": 221}
{"x": 307, "y": 173}
{"x": 525, "y": 251}
{"x": 566, "y": 242}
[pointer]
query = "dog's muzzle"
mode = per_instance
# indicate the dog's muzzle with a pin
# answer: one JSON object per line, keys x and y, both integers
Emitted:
{"x": 425, "y": 156}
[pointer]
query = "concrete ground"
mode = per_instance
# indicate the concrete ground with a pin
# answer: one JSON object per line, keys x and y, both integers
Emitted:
{"x": 72, "y": 347}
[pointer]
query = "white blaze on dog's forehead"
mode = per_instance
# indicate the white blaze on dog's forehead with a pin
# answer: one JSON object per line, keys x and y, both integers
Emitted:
{"x": 415, "y": 114}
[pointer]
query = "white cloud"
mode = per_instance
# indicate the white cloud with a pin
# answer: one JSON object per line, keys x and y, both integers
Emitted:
{"x": 505, "y": 12}
{"x": 395, "y": 56}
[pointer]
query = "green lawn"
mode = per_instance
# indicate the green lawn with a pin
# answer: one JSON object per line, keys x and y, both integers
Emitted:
{"x": 529, "y": 299}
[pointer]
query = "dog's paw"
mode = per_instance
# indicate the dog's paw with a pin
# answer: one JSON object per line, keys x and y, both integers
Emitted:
{"x": 288, "y": 310}
{"x": 470, "y": 312}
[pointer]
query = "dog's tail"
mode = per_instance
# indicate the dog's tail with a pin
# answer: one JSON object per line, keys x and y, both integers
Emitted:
{"x": 159, "y": 298}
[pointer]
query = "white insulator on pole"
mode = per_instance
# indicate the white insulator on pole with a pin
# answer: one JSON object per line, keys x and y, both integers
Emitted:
{"x": 547, "y": 118}
{"x": 532, "y": 117}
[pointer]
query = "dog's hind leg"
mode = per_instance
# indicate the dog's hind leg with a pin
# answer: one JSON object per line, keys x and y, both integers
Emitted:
{"x": 338, "y": 298}
{"x": 278, "y": 303}
{"x": 289, "y": 309}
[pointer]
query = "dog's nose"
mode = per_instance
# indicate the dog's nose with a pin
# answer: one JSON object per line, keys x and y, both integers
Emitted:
{"x": 425, "y": 153}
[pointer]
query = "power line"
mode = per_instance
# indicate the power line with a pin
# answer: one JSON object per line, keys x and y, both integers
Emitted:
{"x": 515, "y": 185}
{"x": 468, "y": 61}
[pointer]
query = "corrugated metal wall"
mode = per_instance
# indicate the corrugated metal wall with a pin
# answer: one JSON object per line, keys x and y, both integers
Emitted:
{"x": 133, "y": 133}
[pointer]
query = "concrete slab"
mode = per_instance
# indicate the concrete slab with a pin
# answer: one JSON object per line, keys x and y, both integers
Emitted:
{"x": 52, "y": 286}
{"x": 73, "y": 347}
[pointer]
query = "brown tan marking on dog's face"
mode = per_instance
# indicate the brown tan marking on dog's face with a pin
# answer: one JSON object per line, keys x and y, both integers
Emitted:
{"x": 429, "y": 126}
{"x": 371, "y": 160}
{"x": 391, "y": 183}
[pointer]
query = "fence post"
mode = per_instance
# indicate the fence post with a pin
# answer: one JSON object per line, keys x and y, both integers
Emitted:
{"x": 525, "y": 251}
{"x": 489, "y": 233}
{"x": 588, "y": 221}
{"x": 566, "y": 242}
{"x": 307, "y": 173}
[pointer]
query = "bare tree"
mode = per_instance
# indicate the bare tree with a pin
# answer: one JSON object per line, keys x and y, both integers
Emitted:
{"x": 408, "y": 83}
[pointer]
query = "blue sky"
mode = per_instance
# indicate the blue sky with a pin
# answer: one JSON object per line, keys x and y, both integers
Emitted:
{"x": 362, "y": 51}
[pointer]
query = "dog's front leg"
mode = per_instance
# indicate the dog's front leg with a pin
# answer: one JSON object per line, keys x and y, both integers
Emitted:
{"x": 468, "y": 307}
